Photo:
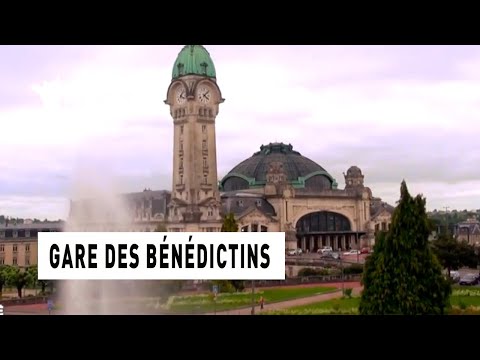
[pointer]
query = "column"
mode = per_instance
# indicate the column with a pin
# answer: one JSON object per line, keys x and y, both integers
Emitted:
{"x": 304, "y": 243}
{"x": 319, "y": 242}
{"x": 335, "y": 242}
{"x": 344, "y": 245}
{"x": 353, "y": 245}
{"x": 312, "y": 243}
{"x": 328, "y": 241}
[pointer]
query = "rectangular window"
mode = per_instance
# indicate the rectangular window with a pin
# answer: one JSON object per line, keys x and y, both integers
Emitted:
{"x": 27, "y": 247}
{"x": 181, "y": 130}
{"x": 14, "y": 261}
{"x": 2, "y": 248}
{"x": 204, "y": 144}
{"x": 204, "y": 128}
{"x": 205, "y": 180}
{"x": 27, "y": 260}
{"x": 181, "y": 163}
{"x": 181, "y": 145}
{"x": 204, "y": 162}
{"x": 15, "y": 248}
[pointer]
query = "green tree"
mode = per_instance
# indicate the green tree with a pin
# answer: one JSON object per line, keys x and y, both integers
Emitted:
{"x": 403, "y": 276}
{"x": 224, "y": 286}
{"x": 161, "y": 228}
{"x": 19, "y": 278}
{"x": 229, "y": 223}
{"x": 454, "y": 254}
{"x": 33, "y": 279}
{"x": 5, "y": 271}
{"x": 239, "y": 285}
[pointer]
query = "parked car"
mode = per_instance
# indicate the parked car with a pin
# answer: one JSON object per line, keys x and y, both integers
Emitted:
{"x": 455, "y": 275}
{"x": 468, "y": 279}
{"x": 352, "y": 252}
{"x": 294, "y": 252}
{"x": 325, "y": 249}
{"x": 330, "y": 255}
{"x": 365, "y": 250}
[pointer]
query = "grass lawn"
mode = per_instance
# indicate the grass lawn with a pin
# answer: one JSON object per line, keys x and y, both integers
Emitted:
{"x": 204, "y": 303}
{"x": 463, "y": 301}
{"x": 334, "y": 306}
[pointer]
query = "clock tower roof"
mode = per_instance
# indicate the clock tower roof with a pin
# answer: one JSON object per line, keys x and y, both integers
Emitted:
{"x": 193, "y": 60}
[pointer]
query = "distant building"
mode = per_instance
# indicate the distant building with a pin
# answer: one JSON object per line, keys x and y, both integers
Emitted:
{"x": 381, "y": 216}
{"x": 19, "y": 243}
{"x": 468, "y": 231}
{"x": 145, "y": 210}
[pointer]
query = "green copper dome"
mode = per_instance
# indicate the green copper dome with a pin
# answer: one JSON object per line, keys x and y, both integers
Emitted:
{"x": 301, "y": 172}
{"x": 193, "y": 60}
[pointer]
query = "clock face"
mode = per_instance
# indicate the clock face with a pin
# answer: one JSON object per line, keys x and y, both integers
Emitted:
{"x": 204, "y": 95}
{"x": 181, "y": 95}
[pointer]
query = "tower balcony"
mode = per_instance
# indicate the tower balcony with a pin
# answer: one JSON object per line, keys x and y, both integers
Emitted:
{"x": 180, "y": 187}
{"x": 206, "y": 186}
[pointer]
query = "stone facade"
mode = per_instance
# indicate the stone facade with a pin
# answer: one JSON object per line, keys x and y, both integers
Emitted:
{"x": 469, "y": 231}
{"x": 195, "y": 204}
{"x": 292, "y": 206}
{"x": 277, "y": 189}
{"x": 19, "y": 242}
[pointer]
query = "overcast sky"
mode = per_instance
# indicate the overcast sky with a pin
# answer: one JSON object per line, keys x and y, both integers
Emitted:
{"x": 397, "y": 112}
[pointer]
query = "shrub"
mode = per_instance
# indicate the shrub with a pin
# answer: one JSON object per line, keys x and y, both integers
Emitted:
{"x": 353, "y": 269}
{"x": 239, "y": 285}
{"x": 313, "y": 272}
{"x": 336, "y": 305}
{"x": 348, "y": 292}
{"x": 466, "y": 292}
{"x": 224, "y": 286}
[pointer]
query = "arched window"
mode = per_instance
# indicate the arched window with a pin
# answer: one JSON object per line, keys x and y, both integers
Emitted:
{"x": 323, "y": 221}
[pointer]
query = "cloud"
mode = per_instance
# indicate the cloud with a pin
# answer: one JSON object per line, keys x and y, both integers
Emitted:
{"x": 40, "y": 207}
{"x": 395, "y": 111}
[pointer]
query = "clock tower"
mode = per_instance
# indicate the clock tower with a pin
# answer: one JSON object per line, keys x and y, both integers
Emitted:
{"x": 194, "y": 98}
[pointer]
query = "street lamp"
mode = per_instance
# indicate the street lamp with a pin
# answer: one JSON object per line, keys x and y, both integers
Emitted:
{"x": 358, "y": 247}
{"x": 343, "y": 277}
{"x": 253, "y": 297}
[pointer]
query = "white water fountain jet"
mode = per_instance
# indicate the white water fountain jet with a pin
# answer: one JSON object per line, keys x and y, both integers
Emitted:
{"x": 104, "y": 210}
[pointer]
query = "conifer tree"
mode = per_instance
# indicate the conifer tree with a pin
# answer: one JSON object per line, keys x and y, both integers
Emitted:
{"x": 229, "y": 223}
{"x": 403, "y": 276}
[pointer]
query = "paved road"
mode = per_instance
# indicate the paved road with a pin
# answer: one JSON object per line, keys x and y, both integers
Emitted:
{"x": 32, "y": 309}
